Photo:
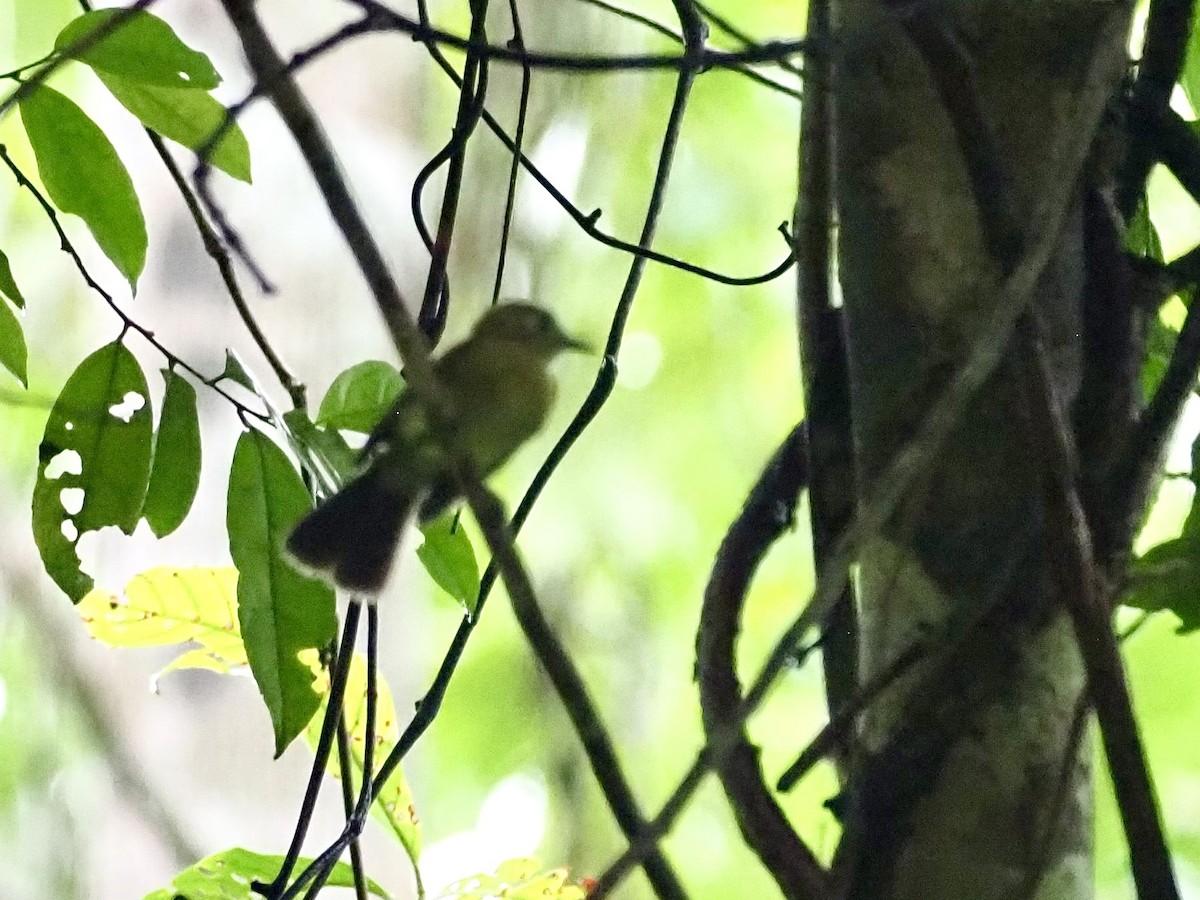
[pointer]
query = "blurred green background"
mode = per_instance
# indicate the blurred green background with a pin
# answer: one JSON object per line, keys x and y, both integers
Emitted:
{"x": 619, "y": 546}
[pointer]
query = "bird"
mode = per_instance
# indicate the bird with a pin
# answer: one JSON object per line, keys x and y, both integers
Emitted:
{"x": 501, "y": 393}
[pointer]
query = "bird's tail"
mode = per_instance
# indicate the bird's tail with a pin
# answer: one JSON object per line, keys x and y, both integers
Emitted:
{"x": 352, "y": 536}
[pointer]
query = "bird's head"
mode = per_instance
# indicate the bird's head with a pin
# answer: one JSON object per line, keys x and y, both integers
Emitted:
{"x": 528, "y": 326}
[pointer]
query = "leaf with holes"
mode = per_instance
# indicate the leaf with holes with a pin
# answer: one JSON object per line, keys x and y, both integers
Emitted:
{"x": 359, "y": 396}
{"x": 282, "y": 613}
{"x": 449, "y": 559}
{"x": 83, "y": 175}
{"x": 393, "y": 805}
{"x": 187, "y": 117}
{"x": 13, "y": 353}
{"x": 166, "y": 606}
{"x": 228, "y": 875}
{"x": 8, "y": 284}
{"x": 175, "y": 475}
{"x": 97, "y": 443}
{"x": 142, "y": 47}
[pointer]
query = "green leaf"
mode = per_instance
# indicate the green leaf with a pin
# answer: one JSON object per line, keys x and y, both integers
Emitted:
{"x": 8, "y": 284}
{"x": 175, "y": 475}
{"x": 142, "y": 47}
{"x": 103, "y": 446}
{"x": 1160, "y": 341}
{"x": 449, "y": 559}
{"x": 83, "y": 175}
{"x": 282, "y": 613}
{"x": 1189, "y": 78}
{"x": 13, "y": 354}
{"x": 1141, "y": 237}
{"x": 393, "y": 805}
{"x": 359, "y": 396}
{"x": 1167, "y": 575}
{"x": 187, "y": 117}
{"x": 323, "y": 450}
{"x": 227, "y": 876}
{"x": 236, "y": 372}
{"x": 166, "y": 606}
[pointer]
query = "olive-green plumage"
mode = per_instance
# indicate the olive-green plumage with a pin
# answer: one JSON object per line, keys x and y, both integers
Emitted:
{"x": 502, "y": 393}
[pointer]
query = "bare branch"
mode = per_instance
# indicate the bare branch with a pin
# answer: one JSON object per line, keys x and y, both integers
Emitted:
{"x": 768, "y": 511}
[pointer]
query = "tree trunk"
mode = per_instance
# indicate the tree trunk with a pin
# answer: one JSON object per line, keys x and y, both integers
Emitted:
{"x": 970, "y": 778}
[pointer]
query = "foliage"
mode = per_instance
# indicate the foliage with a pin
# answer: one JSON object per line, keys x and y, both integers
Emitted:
{"x": 227, "y": 876}
{"x": 105, "y": 462}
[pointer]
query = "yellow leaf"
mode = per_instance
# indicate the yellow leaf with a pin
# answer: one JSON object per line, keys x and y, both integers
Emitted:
{"x": 393, "y": 805}
{"x": 167, "y": 605}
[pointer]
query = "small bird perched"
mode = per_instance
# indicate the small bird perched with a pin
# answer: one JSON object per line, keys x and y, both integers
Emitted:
{"x": 501, "y": 392}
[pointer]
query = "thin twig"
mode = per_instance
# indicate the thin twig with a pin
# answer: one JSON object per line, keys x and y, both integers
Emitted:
{"x": 67, "y": 54}
{"x": 472, "y": 90}
{"x": 220, "y": 256}
{"x": 340, "y": 669}
{"x": 1138, "y": 470}
{"x": 378, "y": 17}
{"x": 659, "y": 28}
{"x": 510, "y": 198}
{"x": 820, "y": 38}
{"x": 268, "y": 66}
{"x": 344, "y": 763}
{"x": 587, "y": 221}
{"x": 127, "y": 322}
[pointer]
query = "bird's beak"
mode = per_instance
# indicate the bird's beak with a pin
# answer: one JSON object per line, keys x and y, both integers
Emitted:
{"x": 570, "y": 343}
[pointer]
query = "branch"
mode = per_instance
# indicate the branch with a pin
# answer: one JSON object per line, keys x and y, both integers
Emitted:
{"x": 1175, "y": 143}
{"x": 1050, "y": 438}
{"x": 61, "y": 57}
{"x": 695, "y": 58}
{"x": 1167, "y": 28}
{"x": 1090, "y": 606}
{"x": 824, "y": 367}
{"x": 659, "y": 28}
{"x": 587, "y": 221}
{"x": 220, "y": 256}
{"x": 472, "y": 90}
{"x": 510, "y": 198}
{"x": 914, "y": 459}
{"x": 269, "y": 68}
{"x": 585, "y": 718}
{"x": 768, "y": 511}
{"x": 128, "y": 323}
{"x": 1138, "y": 470}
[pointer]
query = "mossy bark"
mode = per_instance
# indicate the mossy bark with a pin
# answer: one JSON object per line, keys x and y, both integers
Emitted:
{"x": 958, "y": 790}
